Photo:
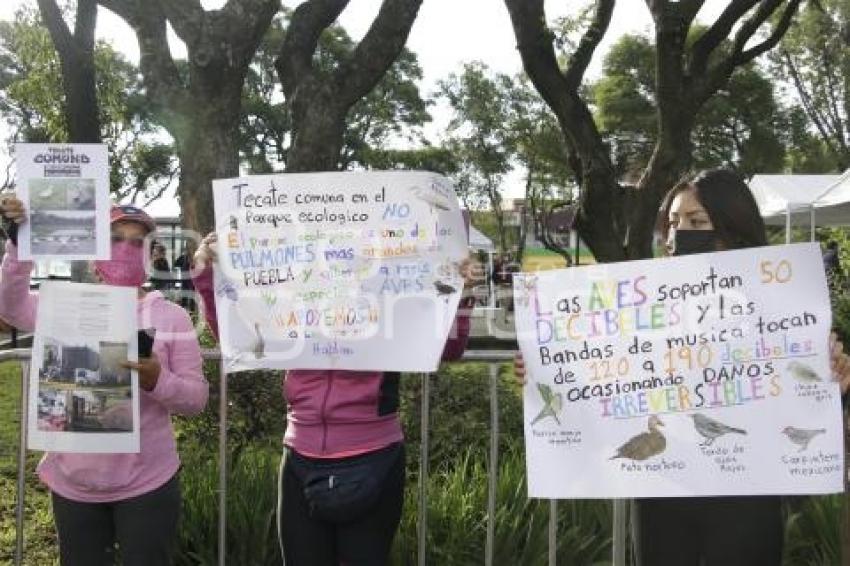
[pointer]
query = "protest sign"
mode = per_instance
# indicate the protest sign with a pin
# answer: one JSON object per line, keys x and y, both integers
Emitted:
{"x": 353, "y": 271}
{"x": 65, "y": 190}
{"x": 699, "y": 375}
{"x": 80, "y": 397}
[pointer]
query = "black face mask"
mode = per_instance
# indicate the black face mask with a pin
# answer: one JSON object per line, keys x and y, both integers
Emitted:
{"x": 687, "y": 242}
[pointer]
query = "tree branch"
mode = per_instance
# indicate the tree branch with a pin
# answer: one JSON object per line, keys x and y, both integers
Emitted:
{"x": 295, "y": 60}
{"x": 56, "y": 25}
{"x": 589, "y": 42}
{"x": 718, "y": 32}
{"x": 741, "y": 57}
{"x": 186, "y": 17}
{"x": 377, "y": 51}
{"x": 85, "y": 24}
{"x": 159, "y": 71}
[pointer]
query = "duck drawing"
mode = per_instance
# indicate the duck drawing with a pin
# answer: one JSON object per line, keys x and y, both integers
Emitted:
{"x": 644, "y": 445}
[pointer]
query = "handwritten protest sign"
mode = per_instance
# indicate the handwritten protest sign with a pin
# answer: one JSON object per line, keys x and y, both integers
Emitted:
{"x": 65, "y": 190}
{"x": 337, "y": 270}
{"x": 699, "y": 375}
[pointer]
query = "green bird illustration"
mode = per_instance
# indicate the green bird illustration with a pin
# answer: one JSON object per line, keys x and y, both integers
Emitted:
{"x": 803, "y": 372}
{"x": 552, "y": 404}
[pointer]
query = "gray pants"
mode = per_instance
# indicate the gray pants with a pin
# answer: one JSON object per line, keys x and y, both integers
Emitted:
{"x": 144, "y": 529}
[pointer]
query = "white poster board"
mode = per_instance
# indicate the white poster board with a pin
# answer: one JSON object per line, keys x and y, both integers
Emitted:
{"x": 692, "y": 376}
{"x": 65, "y": 190}
{"x": 80, "y": 398}
{"x": 354, "y": 271}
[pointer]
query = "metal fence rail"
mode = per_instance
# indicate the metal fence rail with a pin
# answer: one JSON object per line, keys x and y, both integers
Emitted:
{"x": 493, "y": 358}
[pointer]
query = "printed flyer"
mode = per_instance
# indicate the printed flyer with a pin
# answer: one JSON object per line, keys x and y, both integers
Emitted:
{"x": 65, "y": 190}
{"x": 81, "y": 399}
{"x": 700, "y": 375}
{"x": 354, "y": 271}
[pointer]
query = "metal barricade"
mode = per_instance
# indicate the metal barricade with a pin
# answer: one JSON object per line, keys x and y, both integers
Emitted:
{"x": 492, "y": 358}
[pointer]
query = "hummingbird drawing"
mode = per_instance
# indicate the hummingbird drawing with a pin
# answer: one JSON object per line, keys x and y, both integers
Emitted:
{"x": 552, "y": 404}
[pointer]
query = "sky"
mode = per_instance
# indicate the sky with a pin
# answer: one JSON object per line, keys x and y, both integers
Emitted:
{"x": 446, "y": 34}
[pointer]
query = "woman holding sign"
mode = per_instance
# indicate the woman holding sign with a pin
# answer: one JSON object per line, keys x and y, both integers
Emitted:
{"x": 715, "y": 211}
{"x": 341, "y": 484}
{"x": 132, "y": 500}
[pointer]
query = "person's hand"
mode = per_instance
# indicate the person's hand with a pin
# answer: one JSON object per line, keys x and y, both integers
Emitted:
{"x": 207, "y": 251}
{"x": 519, "y": 369}
{"x": 12, "y": 208}
{"x": 470, "y": 271}
{"x": 839, "y": 362}
{"x": 148, "y": 369}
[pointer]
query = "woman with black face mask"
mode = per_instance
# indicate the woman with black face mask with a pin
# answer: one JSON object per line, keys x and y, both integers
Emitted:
{"x": 714, "y": 211}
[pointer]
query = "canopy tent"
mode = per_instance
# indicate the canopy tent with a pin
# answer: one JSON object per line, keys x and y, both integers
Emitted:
{"x": 783, "y": 199}
{"x": 479, "y": 241}
{"x": 833, "y": 206}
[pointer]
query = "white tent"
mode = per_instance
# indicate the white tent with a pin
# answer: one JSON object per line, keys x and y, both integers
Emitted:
{"x": 783, "y": 199}
{"x": 479, "y": 241}
{"x": 833, "y": 206}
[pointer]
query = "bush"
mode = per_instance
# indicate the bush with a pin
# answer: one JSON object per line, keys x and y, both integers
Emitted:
{"x": 251, "y": 509}
{"x": 457, "y": 519}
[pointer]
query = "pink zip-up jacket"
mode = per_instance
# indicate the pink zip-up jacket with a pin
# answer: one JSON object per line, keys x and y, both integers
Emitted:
{"x": 338, "y": 413}
{"x": 181, "y": 389}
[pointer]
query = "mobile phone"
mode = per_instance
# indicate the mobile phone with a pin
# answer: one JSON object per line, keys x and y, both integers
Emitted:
{"x": 146, "y": 337}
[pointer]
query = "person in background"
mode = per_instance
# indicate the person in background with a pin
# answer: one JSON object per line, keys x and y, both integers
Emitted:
{"x": 342, "y": 430}
{"x": 161, "y": 275}
{"x": 128, "y": 501}
{"x": 183, "y": 265}
{"x": 714, "y": 211}
{"x": 831, "y": 259}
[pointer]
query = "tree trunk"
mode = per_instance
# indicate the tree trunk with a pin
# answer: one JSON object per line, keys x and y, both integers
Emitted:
{"x": 318, "y": 132}
{"x": 669, "y": 162}
{"x": 208, "y": 151}
{"x": 81, "y": 108}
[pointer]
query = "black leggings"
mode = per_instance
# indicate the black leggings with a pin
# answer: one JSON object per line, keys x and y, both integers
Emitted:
{"x": 709, "y": 531}
{"x": 145, "y": 528}
{"x": 366, "y": 541}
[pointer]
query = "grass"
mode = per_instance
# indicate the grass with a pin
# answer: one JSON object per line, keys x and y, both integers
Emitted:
{"x": 39, "y": 536}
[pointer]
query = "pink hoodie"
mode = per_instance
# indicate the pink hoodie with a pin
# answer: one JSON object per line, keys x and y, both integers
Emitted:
{"x": 339, "y": 413}
{"x": 181, "y": 389}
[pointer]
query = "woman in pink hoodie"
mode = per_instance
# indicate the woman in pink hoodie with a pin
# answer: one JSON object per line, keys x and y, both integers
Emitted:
{"x": 128, "y": 500}
{"x": 341, "y": 485}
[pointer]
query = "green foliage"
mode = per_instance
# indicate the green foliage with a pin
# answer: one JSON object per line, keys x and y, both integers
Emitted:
{"x": 251, "y": 508}
{"x": 813, "y": 60}
{"x": 457, "y": 519}
{"x": 740, "y": 126}
{"x": 813, "y": 532}
{"x": 393, "y": 109}
{"x": 39, "y": 534}
{"x": 31, "y": 99}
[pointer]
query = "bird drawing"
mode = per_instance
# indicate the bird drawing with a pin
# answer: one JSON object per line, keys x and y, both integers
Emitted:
{"x": 443, "y": 288}
{"x": 552, "y": 404}
{"x": 226, "y": 289}
{"x": 433, "y": 200}
{"x": 644, "y": 445}
{"x": 802, "y": 372}
{"x": 711, "y": 429}
{"x": 260, "y": 344}
{"x": 802, "y": 436}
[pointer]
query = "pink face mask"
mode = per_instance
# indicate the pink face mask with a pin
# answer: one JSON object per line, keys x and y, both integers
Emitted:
{"x": 126, "y": 268}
